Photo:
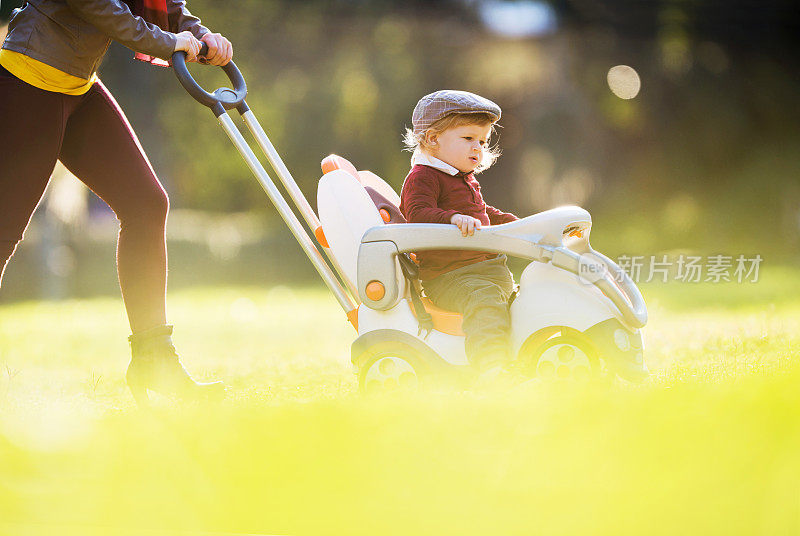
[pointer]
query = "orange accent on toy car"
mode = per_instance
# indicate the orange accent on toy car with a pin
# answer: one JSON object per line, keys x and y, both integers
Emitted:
{"x": 319, "y": 234}
{"x": 445, "y": 321}
{"x": 577, "y": 232}
{"x": 334, "y": 161}
{"x": 385, "y": 216}
{"x": 375, "y": 290}
{"x": 352, "y": 317}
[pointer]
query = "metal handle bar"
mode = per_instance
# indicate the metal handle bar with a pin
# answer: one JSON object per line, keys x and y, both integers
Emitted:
{"x": 223, "y": 98}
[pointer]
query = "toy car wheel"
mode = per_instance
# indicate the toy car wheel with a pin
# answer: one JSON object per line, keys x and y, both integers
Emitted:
{"x": 388, "y": 371}
{"x": 562, "y": 358}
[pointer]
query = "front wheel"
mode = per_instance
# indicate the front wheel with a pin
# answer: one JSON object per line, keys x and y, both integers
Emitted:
{"x": 564, "y": 357}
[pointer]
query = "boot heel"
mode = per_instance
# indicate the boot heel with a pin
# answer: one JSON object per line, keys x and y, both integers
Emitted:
{"x": 155, "y": 365}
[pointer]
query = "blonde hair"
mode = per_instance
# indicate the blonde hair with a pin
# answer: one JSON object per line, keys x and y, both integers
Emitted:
{"x": 414, "y": 141}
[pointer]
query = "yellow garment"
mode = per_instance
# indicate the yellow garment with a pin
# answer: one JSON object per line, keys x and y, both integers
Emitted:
{"x": 43, "y": 76}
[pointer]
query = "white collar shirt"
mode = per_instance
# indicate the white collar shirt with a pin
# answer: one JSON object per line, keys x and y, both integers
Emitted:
{"x": 423, "y": 159}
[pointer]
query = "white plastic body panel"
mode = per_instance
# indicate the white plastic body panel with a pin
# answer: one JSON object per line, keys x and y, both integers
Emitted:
{"x": 550, "y": 296}
{"x": 550, "y": 224}
{"x": 346, "y": 212}
{"x": 401, "y": 318}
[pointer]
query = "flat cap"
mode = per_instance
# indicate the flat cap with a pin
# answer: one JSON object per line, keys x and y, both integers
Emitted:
{"x": 438, "y": 104}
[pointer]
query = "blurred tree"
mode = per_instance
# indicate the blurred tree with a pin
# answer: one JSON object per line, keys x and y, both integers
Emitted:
{"x": 704, "y": 157}
{"x": 7, "y": 6}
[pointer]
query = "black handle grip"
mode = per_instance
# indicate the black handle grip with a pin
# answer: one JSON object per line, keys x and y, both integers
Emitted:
{"x": 223, "y": 98}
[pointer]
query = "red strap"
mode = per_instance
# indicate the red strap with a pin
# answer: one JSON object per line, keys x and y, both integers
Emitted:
{"x": 158, "y": 5}
{"x": 154, "y": 12}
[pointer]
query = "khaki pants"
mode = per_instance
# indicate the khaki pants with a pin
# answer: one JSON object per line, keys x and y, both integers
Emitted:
{"x": 480, "y": 292}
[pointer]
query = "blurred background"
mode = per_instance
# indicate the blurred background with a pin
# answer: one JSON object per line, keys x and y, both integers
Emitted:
{"x": 704, "y": 160}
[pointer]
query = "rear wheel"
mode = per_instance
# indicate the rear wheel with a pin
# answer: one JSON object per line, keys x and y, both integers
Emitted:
{"x": 393, "y": 368}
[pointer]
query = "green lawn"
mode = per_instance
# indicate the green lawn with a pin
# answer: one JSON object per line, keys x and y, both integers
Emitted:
{"x": 709, "y": 445}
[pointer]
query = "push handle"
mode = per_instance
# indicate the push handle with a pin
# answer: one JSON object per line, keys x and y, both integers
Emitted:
{"x": 223, "y": 98}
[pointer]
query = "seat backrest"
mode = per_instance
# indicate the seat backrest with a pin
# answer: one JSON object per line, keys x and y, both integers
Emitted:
{"x": 347, "y": 201}
{"x": 347, "y": 208}
{"x": 370, "y": 180}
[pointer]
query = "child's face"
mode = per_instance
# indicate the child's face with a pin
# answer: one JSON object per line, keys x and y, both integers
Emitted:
{"x": 462, "y": 147}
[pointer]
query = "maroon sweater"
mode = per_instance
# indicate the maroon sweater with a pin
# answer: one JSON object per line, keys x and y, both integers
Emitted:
{"x": 433, "y": 196}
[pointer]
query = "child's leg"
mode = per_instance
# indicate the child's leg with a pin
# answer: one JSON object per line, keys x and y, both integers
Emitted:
{"x": 480, "y": 292}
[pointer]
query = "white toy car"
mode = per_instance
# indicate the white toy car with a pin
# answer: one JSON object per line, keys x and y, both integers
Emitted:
{"x": 575, "y": 309}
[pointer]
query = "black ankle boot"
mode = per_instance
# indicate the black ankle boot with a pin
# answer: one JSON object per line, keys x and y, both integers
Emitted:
{"x": 155, "y": 365}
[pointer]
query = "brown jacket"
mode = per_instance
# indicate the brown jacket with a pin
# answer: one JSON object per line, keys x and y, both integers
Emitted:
{"x": 73, "y": 35}
{"x": 432, "y": 196}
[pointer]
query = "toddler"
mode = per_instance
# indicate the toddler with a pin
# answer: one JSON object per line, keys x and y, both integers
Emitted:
{"x": 450, "y": 144}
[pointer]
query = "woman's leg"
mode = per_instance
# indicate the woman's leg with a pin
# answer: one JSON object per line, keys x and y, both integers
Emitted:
{"x": 31, "y": 127}
{"x": 101, "y": 149}
{"x": 7, "y": 248}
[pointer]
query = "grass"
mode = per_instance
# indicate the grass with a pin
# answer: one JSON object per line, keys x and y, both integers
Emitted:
{"x": 708, "y": 445}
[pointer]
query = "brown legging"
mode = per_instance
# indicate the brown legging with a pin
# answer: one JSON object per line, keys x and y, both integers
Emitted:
{"x": 93, "y": 139}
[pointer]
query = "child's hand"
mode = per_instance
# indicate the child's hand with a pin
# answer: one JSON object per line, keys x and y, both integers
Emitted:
{"x": 467, "y": 224}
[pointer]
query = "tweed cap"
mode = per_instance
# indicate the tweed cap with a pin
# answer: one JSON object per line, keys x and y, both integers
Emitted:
{"x": 438, "y": 104}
